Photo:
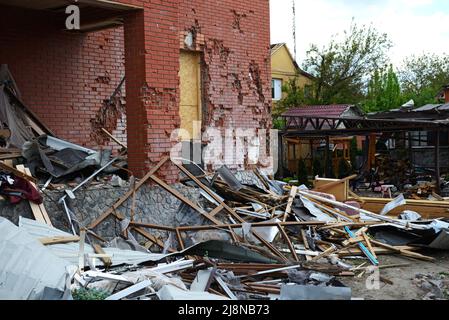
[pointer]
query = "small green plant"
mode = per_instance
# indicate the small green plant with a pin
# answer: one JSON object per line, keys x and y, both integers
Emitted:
{"x": 89, "y": 294}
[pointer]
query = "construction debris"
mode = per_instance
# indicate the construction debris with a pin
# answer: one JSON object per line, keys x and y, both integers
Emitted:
{"x": 265, "y": 241}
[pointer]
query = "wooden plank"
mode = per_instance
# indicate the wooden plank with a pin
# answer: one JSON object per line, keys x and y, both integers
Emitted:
{"x": 231, "y": 211}
{"x": 151, "y": 238}
{"x": 41, "y": 206}
{"x": 35, "y": 209}
{"x": 306, "y": 243}
{"x": 8, "y": 162}
{"x": 403, "y": 251}
{"x": 114, "y": 138}
{"x": 368, "y": 243}
{"x": 17, "y": 172}
{"x": 178, "y": 235}
{"x": 338, "y": 187}
{"x": 216, "y": 210}
{"x": 378, "y": 250}
{"x": 107, "y": 261}
{"x": 125, "y": 197}
{"x": 324, "y": 253}
{"x": 355, "y": 196}
{"x": 225, "y": 287}
{"x": 133, "y": 201}
{"x": 58, "y": 239}
{"x": 181, "y": 197}
{"x": 291, "y": 198}
{"x": 289, "y": 243}
{"x": 34, "y": 125}
{"x": 426, "y": 208}
{"x": 253, "y": 225}
{"x": 9, "y": 156}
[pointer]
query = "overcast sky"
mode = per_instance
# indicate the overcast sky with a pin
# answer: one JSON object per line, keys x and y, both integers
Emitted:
{"x": 414, "y": 26}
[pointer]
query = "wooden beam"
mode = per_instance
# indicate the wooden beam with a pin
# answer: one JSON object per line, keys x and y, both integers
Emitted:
{"x": 125, "y": 197}
{"x": 39, "y": 212}
{"x": 58, "y": 239}
{"x": 404, "y": 252}
{"x": 114, "y": 138}
{"x": 151, "y": 238}
{"x": 41, "y": 206}
{"x": 107, "y": 261}
{"x": 180, "y": 197}
{"x": 17, "y": 172}
{"x": 231, "y": 211}
{"x": 329, "y": 185}
{"x": 368, "y": 243}
{"x": 253, "y": 225}
{"x": 291, "y": 198}
{"x": 289, "y": 243}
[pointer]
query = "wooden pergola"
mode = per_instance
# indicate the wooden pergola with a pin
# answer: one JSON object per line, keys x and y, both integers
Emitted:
{"x": 313, "y": 127}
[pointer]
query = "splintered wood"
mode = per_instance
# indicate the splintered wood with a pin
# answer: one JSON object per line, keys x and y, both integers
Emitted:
{"x": 273, "y": 221}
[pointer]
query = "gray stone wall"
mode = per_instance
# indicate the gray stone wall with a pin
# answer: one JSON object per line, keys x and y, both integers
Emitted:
{"x": 153, "y": 205}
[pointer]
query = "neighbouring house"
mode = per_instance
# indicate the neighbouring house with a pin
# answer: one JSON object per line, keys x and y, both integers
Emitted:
{"x": 312, "y": 148}
{"x": 285, "y": 68}
{"x": 187, "y": 64}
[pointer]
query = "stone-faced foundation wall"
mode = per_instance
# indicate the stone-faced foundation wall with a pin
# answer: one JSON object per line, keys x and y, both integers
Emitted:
{"x": 153, "y": 205}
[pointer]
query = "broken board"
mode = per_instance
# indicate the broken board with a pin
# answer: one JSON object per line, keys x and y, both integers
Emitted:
{"x": 39, "y": 211}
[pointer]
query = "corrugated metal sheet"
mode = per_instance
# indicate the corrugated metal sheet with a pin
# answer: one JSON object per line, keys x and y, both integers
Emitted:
{"x": 427, "y": 107}
{"x": 70, "y": 251}
{"x": 27, "y": 266}
{"x": 444, "y": 107}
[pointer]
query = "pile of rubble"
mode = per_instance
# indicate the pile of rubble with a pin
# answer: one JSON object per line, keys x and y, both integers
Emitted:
{"x": 262, "y": 241}
{"x": 265, "y": 241}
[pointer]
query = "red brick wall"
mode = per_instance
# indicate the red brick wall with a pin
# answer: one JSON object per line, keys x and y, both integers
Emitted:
{"x": 152, "y": 84}
{"x": 63, "y": 77}
{"x": 234, "y": 37}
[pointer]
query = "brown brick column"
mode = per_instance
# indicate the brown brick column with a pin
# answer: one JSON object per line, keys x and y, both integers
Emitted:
{"x": 151, "y": 64}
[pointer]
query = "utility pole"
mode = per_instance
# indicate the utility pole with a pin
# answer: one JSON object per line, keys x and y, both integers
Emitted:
{"x": 294, "y": 25}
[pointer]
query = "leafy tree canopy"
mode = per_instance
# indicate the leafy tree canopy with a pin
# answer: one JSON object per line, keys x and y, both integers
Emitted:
{"x": 341, "y": 68}
{"x": 384, "y": 91}
{"x": 423, "y": 76}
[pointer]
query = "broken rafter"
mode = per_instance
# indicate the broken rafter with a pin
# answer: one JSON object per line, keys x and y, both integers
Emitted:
{"x": 125, "y": 197}
{"x": 230, "y": 210}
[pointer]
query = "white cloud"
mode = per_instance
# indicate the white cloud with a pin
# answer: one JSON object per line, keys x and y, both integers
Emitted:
{"x": 414, "y": 26}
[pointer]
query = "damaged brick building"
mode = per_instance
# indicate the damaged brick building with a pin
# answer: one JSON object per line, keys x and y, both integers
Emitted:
{"x": 184, "y": 61}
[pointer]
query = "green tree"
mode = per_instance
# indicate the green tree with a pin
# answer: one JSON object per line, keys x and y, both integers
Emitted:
{"x": 340, "y": 68}
{"x": 384, "y": 91}
{"x": 423, "y": 76}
